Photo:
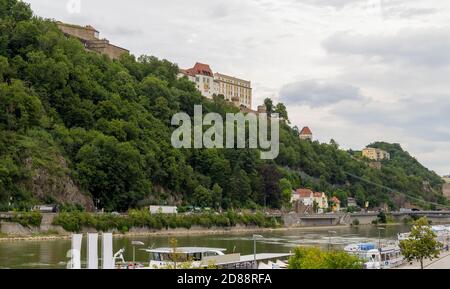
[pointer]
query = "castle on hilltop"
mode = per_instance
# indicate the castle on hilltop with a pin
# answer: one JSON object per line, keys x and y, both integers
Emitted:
{"x": 90, "y": 37}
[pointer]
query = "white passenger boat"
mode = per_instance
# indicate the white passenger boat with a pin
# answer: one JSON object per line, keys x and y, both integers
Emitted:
{"x": 169, "y": 257}
{"x": 385, "y": 257}
{"x": 166, "y": 258}
{"x": 203, "y": 257}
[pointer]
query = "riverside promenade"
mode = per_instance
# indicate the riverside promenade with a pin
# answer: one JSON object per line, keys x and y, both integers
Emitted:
{"x": 442, "y": 263}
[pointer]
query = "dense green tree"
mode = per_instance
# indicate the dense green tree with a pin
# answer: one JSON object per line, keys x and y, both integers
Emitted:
{"x": 286, "y": 191}
{"x": 203, "y": 197}
{"x": 271, "y": 191}
{"x": 4, "y": 68}
{"x": 269, "y": 105}
{"x": 280, "y": 108}
{"x": 315, "y": 258}
{"x": 19, "y": 109}
{"x": 217, "y": 196}
{"x": 421, "y": 244}
{"x": 112, "y": 171}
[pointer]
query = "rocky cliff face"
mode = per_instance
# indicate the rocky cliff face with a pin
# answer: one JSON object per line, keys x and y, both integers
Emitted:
{"x": 56, "y": 185}
{"x": 446, "y": 188}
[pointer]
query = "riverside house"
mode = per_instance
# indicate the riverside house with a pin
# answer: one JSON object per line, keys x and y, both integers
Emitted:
{"x": 321, "y": 200}
{"x": 307, "y": 198}
{"x": 351, "y": 202}
{"x": 335, "y": 204}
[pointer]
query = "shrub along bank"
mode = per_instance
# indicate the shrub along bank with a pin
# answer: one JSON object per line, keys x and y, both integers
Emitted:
{"x": 75, "y": 221}
{"x": 27, "y": 219}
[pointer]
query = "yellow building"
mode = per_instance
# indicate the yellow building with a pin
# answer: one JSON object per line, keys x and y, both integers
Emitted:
{"x": 335, "y": 204}
{"x": 376, "y": 154}
{"x": 321, "y": 200}
{"x": 236, "y": 90}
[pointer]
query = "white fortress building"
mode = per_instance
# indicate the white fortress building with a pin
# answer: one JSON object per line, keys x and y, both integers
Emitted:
{"x": 235, "y": 90}
{"x": 203, "y": 77}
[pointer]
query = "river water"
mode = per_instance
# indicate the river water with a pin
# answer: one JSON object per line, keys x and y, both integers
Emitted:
{"x": 52, "y": 254}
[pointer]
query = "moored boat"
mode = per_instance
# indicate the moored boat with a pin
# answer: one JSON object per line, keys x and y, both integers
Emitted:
{"x": 195, "y": 257}
{"x": 384, "y": 257}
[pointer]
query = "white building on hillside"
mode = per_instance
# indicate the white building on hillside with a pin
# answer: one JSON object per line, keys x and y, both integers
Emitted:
{"x": 304, "y": 196}
{"x": 203, "y": 77}
{"x": 235, "y": 90}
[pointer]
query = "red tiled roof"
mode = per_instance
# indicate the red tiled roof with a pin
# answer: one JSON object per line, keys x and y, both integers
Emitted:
{"x": 304, "y": 193}
{"x": 318, "y": 195}
{"x": 335, "y": 200}
{"x": 199, "y": 68}
{"x": 306, "y": 130}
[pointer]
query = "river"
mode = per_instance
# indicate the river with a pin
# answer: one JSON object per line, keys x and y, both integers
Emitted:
{"x": 52, "y": 254}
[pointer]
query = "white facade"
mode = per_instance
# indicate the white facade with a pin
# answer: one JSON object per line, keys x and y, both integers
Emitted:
{"x": 206, "y": 85}
{"x": 307, "y": 198}
{"x": 322, "y": 200}
{"x": 233, "y": 89}
{"x": 163, "y": 210}
{"x": 309, "y": 201}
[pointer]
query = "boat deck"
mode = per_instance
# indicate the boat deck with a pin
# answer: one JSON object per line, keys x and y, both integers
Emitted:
{"x": 249, "y": 261}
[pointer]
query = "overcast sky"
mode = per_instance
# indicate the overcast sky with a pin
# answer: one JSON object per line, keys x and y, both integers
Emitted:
{"x": 357, "y": 71}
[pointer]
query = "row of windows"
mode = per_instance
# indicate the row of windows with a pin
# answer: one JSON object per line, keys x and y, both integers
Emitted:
{"x": 236, "y": 89}
{"x": 234, "y": 82}
{"x": 205, "y": 79}
{"x": 230, "y": 95}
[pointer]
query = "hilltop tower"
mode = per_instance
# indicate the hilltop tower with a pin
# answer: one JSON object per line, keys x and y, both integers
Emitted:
{"x": 306, "y": 134}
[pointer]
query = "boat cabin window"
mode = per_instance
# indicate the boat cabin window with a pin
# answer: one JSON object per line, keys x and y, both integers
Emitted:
{"x": 168, "y": 257}
{"x": 194, "y": 257}
{"x": 181, "y": 257}
{"x": 210, "y": 254}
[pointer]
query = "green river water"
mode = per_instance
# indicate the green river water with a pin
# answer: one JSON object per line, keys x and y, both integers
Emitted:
{"x": 52, "y": 254}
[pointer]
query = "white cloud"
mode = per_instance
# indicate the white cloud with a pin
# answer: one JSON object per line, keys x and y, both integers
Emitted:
{"x": 428, "y": 47}
{"x": 318, "y": 93}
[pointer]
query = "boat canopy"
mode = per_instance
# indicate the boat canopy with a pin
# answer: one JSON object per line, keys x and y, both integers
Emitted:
{"x": 360, "y": 247}
{"x": 184, "y": 250}
{"x": 366, "y": 246}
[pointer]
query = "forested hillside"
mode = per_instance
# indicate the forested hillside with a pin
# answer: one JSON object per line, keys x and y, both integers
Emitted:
{"x": 79, "y": 129}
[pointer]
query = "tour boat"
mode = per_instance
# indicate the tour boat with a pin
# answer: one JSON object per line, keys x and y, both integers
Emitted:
{"x": 201, "y": 257}
{"x": 385, "y": 257}
{"x": 170, "y": 257}
{"x": 166, "y": 258}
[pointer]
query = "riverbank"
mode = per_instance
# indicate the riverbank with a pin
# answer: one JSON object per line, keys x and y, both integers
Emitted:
{"x": 171, "y": 233}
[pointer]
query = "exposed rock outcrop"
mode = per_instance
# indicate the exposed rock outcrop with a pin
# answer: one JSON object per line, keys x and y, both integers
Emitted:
{"x": 56, "y": 185}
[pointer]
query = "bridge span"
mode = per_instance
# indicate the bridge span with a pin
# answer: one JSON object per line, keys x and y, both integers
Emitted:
{"x": 363, "y": 218}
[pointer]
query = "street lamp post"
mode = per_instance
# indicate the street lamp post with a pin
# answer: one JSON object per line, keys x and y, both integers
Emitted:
{"x": 135, "y": 243}
{"x": 254, "y": 245}
{"x": 329, "y": 238}
{"x": 379, "y": 236}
